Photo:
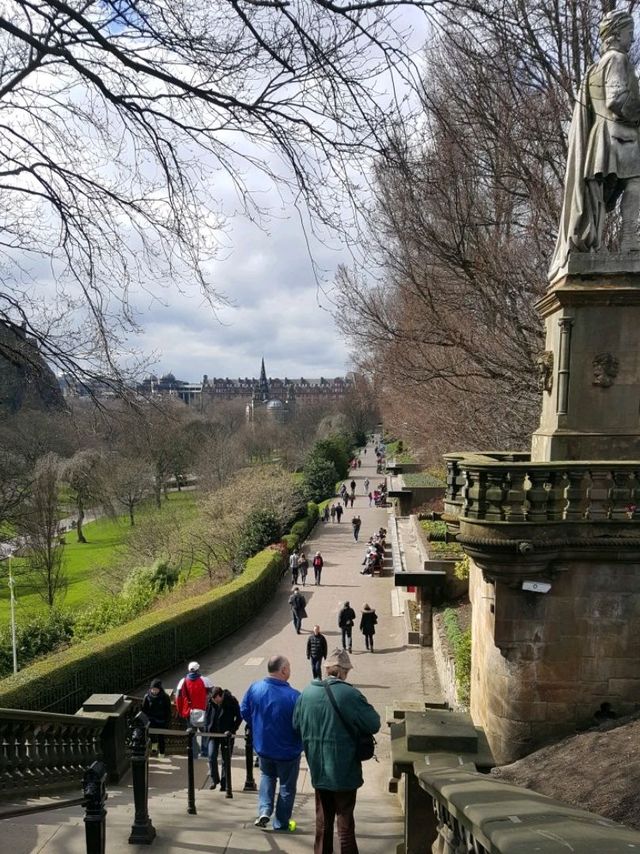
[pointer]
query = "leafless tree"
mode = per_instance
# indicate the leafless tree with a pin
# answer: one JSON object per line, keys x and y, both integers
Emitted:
{"x": 38, "y": 524}
{"x": 464, "y": 223}
{"x": 129, "y": 482}
{"x": 118, "y": 116}
{"x": 85, "y": 473}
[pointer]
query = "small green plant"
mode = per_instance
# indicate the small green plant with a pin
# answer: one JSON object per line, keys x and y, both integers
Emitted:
{"x": 437, "y": 528}
{"x": 461, "y": 569}
{"x": 444, "y": 550}
{"x": 460, "y": 643}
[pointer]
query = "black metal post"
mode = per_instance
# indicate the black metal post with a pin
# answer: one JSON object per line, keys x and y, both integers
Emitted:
{"x": 191, "y": 785}
{"x": 249, "y": 783}
{"x": 94, "y": 791}
{"x": 142, "y": 830}
{"x": 226, "y": 756}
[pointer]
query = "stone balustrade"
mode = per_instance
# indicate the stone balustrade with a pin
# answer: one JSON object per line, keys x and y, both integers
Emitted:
{"x": 41, "y": 752}
{"x": 474, "y": 812}
{"x": 508, "y": 487}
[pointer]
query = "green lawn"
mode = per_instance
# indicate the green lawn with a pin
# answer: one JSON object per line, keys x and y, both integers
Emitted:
{"x": 84, "y": 562}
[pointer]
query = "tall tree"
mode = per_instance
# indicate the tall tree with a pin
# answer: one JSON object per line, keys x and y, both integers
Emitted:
{"x": 465, "y": 221}
{"x": 117, "y": 116}
{"x": 85, "y": 475}
{"x": 38, "y": 524}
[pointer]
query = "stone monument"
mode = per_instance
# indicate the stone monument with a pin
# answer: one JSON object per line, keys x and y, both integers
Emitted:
{"x": 554, "y": 537}
{"x": 591, "y": 404}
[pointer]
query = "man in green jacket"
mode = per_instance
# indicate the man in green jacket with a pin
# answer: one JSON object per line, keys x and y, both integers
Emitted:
{"x": 330, "y": 745}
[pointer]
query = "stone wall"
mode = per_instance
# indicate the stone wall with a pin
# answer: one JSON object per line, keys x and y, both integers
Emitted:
{"x": 445, "y": 664}
{"x": 542, "y": 664}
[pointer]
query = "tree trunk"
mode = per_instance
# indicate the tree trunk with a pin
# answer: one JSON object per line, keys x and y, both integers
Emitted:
{"x": 81, "y": 536}
{"x": 131, "y": 519}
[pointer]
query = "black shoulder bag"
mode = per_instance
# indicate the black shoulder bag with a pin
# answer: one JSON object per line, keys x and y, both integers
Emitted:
{"x": 365, "y": 744}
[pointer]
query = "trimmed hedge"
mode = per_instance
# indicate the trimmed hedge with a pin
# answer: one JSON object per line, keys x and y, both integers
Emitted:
{"x": 301, "y": 529}
{"x": 122, "y": 658}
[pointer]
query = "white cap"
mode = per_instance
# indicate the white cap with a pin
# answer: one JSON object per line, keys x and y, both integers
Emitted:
{"x": 193, "y": 666}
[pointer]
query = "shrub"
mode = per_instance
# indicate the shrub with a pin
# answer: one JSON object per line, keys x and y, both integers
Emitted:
{"x": 137, "y": 594}
{"x": 260, "y": 528}
{"x": 444, "y": 550}
{"x": 337, "y": 449}
{"x": 460, "y": 642}
{"x": 461, "y": 569}
{"x": 35, "y": 638}
{"x": 320, "y": 476}
{"x": 129, "y": 655}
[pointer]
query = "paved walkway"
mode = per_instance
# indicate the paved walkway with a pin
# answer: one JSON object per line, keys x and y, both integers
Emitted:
{"x": 393, "y": 672}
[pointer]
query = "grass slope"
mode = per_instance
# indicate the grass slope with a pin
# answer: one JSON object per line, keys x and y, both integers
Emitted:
{"x": 84, "y": 562}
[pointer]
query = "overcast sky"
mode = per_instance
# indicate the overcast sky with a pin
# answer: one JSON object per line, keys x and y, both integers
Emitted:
{"x": 280, "y": 311}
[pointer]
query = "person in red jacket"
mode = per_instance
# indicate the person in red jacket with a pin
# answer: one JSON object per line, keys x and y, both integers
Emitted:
{"x": 192, "y": 695}
{"x": 318, "y": 563}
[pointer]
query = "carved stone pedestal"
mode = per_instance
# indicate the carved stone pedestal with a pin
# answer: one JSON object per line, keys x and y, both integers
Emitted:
{"x": 591, "y": 366}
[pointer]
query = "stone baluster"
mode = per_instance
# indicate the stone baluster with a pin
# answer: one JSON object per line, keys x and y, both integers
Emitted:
{"x": 557, "y": 502}
{"x": 40, "y": 753}
{"x": 5, "y": 764}
{"x": 538, "y": 494}
{"x": 514, "y": 501}
{"x": 475, "y": 493}
{"x": 621, "y": 495}
{"x": 635, "y": 496}
{"x": 495, "y": 493}
{"x": 575, "y": 494}
{"x": 19, "y": 753}
{"x": 599, "y": 495}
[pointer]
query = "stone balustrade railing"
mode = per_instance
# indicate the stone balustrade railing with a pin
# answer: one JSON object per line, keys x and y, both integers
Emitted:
{"x": 476, "y": 813}
{"x": 508, "y": 487}
{"x": 41, "y": 752}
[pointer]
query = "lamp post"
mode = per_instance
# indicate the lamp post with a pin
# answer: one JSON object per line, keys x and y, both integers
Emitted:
{"x": 6, "y": 553}
{"x": 12, "y": 602}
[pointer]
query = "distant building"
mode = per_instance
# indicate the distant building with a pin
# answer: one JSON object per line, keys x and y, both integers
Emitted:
{"x": 276, "y": 394}
{"x": 279, "y": 397}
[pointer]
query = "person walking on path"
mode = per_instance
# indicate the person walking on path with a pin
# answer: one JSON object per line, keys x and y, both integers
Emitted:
{"x": 353, "y": 487}
{"x": 223, "y": 716}
{"x": 192, "y": 695}
{"x": 356, "y": 523}
{"x": 318, "y": 563}
{"x": 316, "y": 651}
{"x": 368, "y": 620}
{"x": 157, "y": 707}
{"x": 339, "y": 512}
{"x": 267, "y": 708}
{"x": 333, "y": 512}
{"x": 366, "y": 484}
{"x": 297, "y": 603}
{"x": 293, "y": 566}
{"x": 303, "y": 567}
{"x": 325, "y": 515}
{"x": 330, "y": 738}
{"x": 346, "y": 619}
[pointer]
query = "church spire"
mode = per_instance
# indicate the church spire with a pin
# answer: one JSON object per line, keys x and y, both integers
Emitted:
{"x": 264, "y": 384}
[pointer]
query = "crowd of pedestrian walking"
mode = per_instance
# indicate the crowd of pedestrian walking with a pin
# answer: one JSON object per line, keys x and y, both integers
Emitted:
{"x": 329, "y": 720}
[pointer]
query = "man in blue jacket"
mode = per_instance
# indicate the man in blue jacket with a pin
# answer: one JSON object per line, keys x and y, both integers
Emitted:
{"x": 267, "y": 708}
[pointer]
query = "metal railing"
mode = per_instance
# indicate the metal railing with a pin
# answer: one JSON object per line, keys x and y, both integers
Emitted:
{"x": 142, "y": 830}
{"x": 501, "y": 488}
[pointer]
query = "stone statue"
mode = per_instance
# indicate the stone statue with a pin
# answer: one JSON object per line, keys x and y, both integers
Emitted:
{"x": 603, "y": 163}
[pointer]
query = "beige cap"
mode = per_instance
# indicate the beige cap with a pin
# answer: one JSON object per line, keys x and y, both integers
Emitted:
{"x": 339, "y": 658}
